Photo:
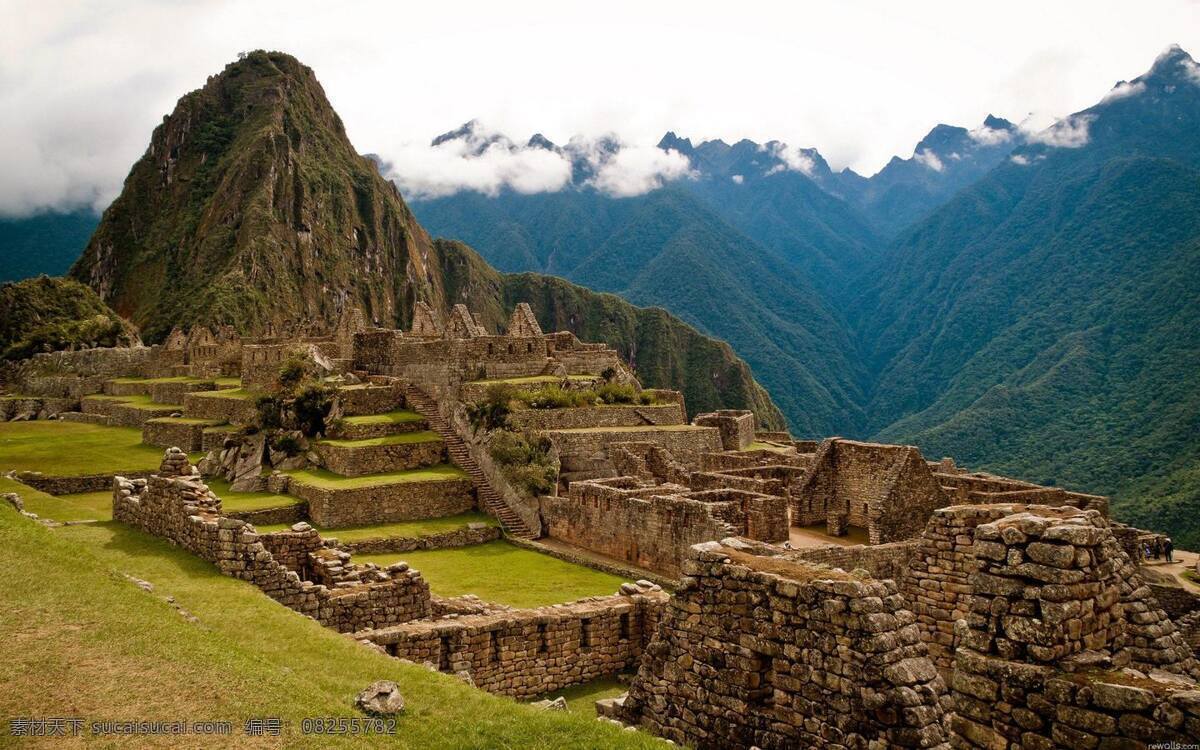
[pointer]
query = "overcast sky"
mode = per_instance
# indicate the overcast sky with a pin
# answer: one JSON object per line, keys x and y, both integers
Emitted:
{"x": 82, "y": 84}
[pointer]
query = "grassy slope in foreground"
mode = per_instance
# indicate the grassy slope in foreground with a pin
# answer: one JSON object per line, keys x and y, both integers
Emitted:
{"x": 83, "y": 641}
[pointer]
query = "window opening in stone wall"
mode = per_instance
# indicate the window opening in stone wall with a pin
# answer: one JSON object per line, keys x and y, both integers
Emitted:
{"x": 763, "y": 694}
{"x": 585, "y": 634}
{"x": 543, "y": 645}
{"x": 495, "y": 637}
{"x": 624, "y": 626}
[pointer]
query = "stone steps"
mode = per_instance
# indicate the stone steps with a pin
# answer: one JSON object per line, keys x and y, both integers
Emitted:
{"x": 489, "y": 500}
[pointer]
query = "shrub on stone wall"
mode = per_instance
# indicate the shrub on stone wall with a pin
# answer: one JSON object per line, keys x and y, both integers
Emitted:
{"x": 525, "y": 460}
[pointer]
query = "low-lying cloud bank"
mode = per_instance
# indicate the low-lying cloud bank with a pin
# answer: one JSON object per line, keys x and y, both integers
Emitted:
{"x": 478, "y": 159}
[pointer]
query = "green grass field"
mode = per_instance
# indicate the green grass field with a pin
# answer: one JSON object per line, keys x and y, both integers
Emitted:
{"x": 424, "y": 436}
{"x": 240, "y": 393}
{"x": 141, "y": 400}
{"x": 392, "y": 417}
{"x": 504, "y": 573}
{"x": 74, "y": 448}
{"x": 536, "y": 379}
{"x": 244, "y": 501}
{"x": 329, "y": 480}
{"x": 82, "y": 641}
{"x": 582, "y": 699}
{"x": 403, "y": 529}
{"x": 87, "y": 506}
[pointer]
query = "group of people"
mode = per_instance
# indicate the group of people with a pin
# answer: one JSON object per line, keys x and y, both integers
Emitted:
{"x": 1158, "y": 548}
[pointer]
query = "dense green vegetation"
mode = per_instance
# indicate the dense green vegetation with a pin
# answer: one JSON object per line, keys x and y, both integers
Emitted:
{"x": 46, "y": 315}
{"x": 76, "y": 627}
{"x": 504, "y": 573}
{"x": 1070, "y": 351}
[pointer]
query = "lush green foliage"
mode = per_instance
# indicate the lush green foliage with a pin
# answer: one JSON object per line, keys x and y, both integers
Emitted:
{"x": 46, "y": 315}
{"x": 525, "y": 459}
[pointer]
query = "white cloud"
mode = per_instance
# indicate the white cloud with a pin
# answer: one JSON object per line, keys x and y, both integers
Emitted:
{"x": 1123, "y": 90}
{"x": 986, "y": 136}
{"x": 481, "y": 161}
{"x": 793, "y": 158}
{"x": 633, "y": 170}
{"x": 1026, "y": 159}
{"x": 82, "y": 84}
{"x": 1069, "y": 132}
{"x": 929, "y": 159}
{"x": 738, "y": 179}
{"x": 1192, "y": 69}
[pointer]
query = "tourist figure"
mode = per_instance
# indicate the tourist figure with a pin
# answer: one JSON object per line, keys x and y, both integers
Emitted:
{"x": 1168, "y": 548}
{"x": 1146, "y": 550}
{"x": 1155, "y": 548}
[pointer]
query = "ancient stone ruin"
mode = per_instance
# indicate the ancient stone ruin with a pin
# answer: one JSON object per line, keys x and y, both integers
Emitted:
{"x": 825, "y": 593}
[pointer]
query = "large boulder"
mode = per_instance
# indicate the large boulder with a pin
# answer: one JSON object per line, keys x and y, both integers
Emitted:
{"x": 381, "y": 698}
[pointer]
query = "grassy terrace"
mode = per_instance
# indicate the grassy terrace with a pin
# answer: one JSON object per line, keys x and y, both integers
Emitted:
{"x": 637, "y": 428}
{"x": 244, "y": 501}
{"x": 403, "y": 529}
{"x": 582, "y": 698}
{"x": 759, "y": 445}
{"x": 425, "y": 436}
{"x": 329, "y": 480}
{"x": 69, "y": 449}
{"x": 536, "y": 379}
{"x": 504, "y": 573}
{"x": 240, "y": 393}
{"x": 142, "y": 401}
{"x": 73, "y": 626}
{"x": 185, "y": 420}
{"x": 392, "y": 417}
{"x": 87, "y": 506}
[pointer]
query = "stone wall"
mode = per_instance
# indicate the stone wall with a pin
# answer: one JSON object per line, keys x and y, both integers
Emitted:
{"x": 182, "y": 510}
{"x": 40, "y": 407}
{"x": 79, "y": 373}
{"x": 653, "y": 526}
{"x": 369, "y": 398}
{"x": 52, "y": 485}
{"x": 889, "y": 560}
{"x": 888, "y": 490}
{"x": 969, "y": 553}
{"x": 360, "y": 460}
{"x": 388, "y": 503}
{"x": 464, "y": 537}
{"x": 220, "y": 408}
{"x": 184, "y": 433}
{"x": 758, "y": 652}
{"x": 686, "y": 445}
{"x": 596, "y": 416}
{"x": 526, "y": 653}
{"x": 1175, "y": 600}
{"x": 736, "y": 426}
{"x": 1057, "y": 617}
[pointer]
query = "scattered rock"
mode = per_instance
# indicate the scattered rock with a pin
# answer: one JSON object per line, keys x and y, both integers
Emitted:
{"x": 381, "y": 698}
{"x": 558, "y": 704}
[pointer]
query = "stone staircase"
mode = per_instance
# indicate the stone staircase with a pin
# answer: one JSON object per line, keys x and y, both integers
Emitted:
{"x": 489, "y": 499}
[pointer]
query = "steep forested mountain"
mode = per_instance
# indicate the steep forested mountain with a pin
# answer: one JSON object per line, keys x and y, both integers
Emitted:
{"x": 945, "y": 161}
{"x": 669, "y": 248}
{"x": 1047, "y": 320}
{"x": 251, "y": 206}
